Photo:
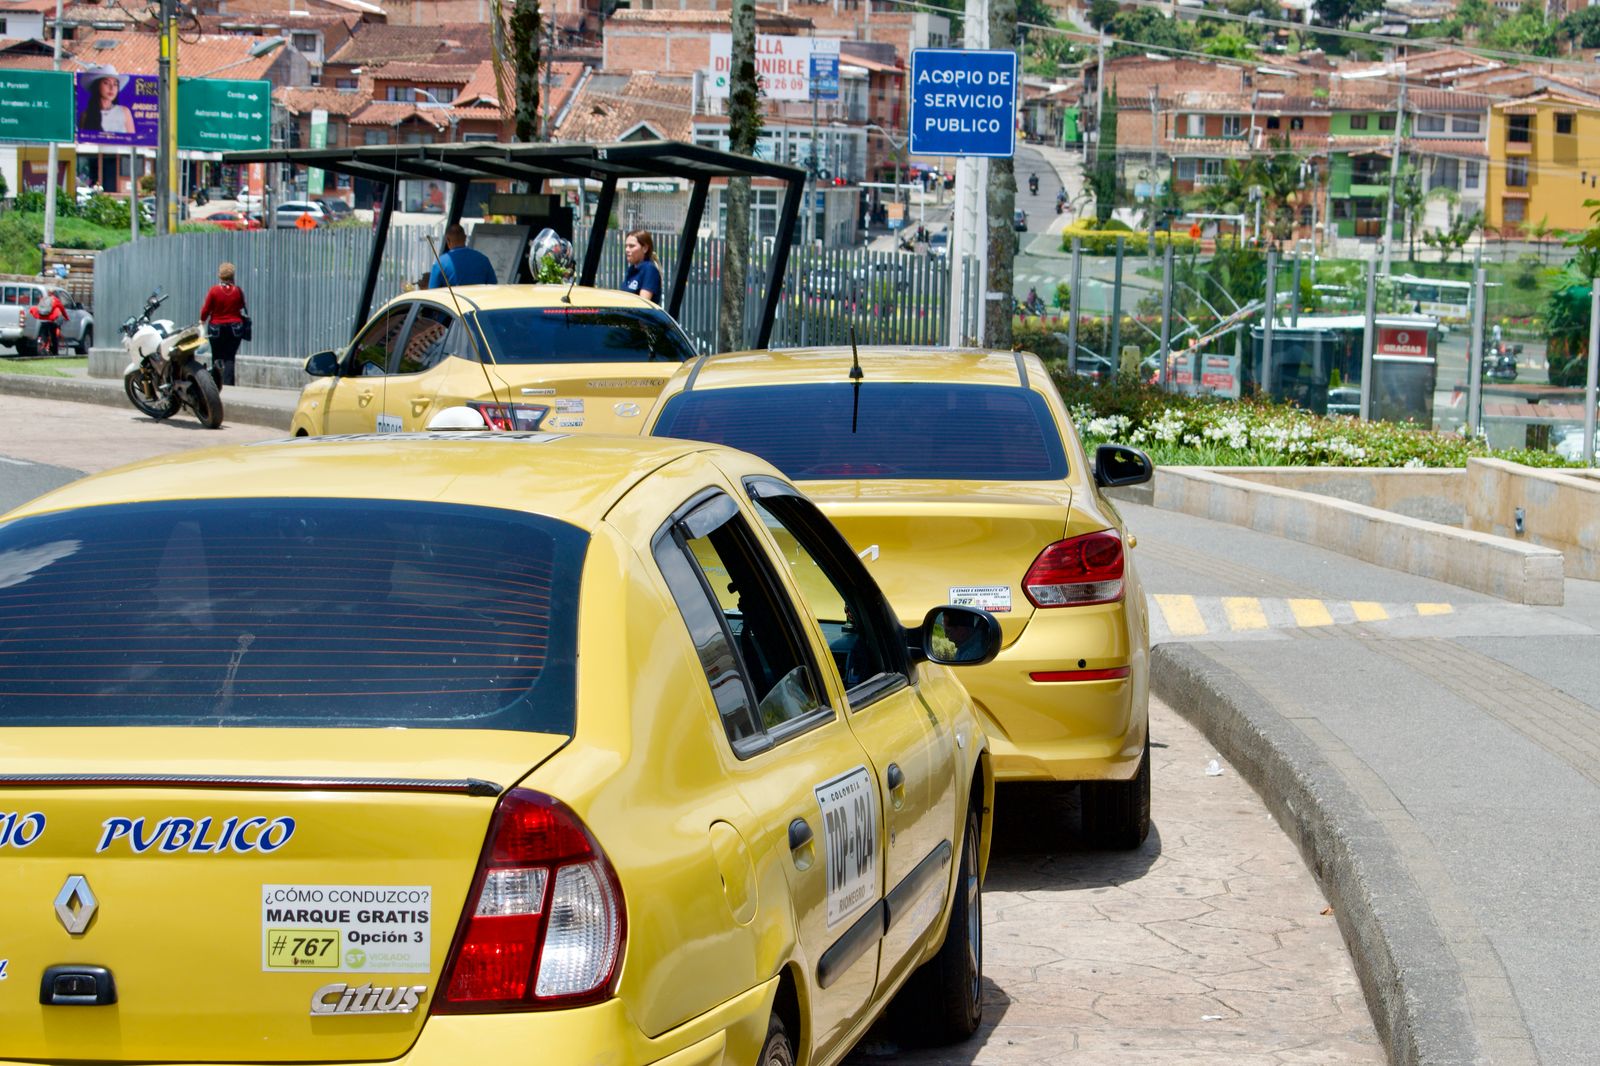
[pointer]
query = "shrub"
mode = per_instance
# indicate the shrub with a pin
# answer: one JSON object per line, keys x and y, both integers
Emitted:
{"x": 1063, "y": 295}
{"x": 1104, "y": 241}
{"x": 108, "y": 211}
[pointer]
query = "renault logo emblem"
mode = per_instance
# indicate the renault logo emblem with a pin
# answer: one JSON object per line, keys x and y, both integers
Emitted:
{"x": 75, "y": 904}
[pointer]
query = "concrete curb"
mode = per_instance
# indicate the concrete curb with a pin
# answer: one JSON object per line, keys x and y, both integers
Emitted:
{"x": 80, "y": 390}
{"x": 1512, "y": 570}
{"x": 1414, "y": 988}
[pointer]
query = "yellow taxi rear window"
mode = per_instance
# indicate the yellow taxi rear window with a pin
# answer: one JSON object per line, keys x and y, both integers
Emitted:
{"x": 289, "y": 613}
{"x": 883, "y": 429}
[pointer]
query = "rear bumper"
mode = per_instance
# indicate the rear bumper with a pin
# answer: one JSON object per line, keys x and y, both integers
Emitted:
{"x": 601, "y": 1035}
{"x": 1067, "y": 730}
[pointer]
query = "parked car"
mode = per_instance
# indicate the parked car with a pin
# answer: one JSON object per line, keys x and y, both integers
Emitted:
{"x": 939, "y": 243}
{"x": 290, "y": 212}
{"x": 1006, "y": 513}
{"x": 336, "y": 209}
{"x": 458, "y": 746}
{"x": 539, "y": 357}
{"x": 232, "y": 220}
{"x": 20, "y": 330}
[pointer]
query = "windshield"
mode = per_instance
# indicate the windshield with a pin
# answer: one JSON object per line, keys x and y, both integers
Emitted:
{"x": 583, "y": 335}
{"x": 900, "y": 429}
{"x": 289, "y": 613}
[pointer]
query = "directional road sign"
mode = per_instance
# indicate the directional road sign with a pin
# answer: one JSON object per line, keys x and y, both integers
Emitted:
{"x": 36, "y": 105}
{"x": 963, "y": 102}
{"x": 220, "y": 115}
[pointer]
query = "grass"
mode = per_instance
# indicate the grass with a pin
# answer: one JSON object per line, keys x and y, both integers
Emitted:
{"x": 21, "y": 232}
{"x": 41, "y": 368}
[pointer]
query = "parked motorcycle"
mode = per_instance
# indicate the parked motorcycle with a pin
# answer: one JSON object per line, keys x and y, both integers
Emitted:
{"x": 165, "y": 372}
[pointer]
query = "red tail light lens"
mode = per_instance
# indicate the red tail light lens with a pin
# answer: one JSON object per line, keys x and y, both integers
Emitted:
{"x": 522, "y": 416}
{"x": 544, "y": 922}
{"x": 1077, "y": 571}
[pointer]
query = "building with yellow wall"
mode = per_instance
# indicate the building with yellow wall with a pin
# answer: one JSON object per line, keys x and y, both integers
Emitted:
{"x": 1538, "y": 169}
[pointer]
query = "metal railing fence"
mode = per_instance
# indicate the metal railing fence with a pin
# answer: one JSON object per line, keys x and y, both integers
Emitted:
{"x": 303, "y": 287}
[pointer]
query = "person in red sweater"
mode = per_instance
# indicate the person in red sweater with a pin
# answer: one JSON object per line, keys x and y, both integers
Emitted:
{"x": 50, "y": 320}
{"x": 223, "y": 313}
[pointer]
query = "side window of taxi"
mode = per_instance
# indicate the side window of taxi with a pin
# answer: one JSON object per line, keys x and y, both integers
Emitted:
{"x": 863, "y": 634}
{"x": 750, "y": 641}
{"x": 373, "y": 350}
{"x": 429, "y": 340}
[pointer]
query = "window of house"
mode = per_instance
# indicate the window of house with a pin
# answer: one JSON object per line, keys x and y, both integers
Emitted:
{"x": 1519, "y": 129}
{"x": 1514, "y": 209}
{"x": 1273, "y": 122}
{"x": 399, "y": 94}
{"x": 347, "y": 85}
{"x": 1297, "y": 123}
{"x": 1466, "y": 124}
{"x": 1305, "y": 214}
{"x": 1358, "y": 122}
{"x": 1430, "y": 123}
{"x": 1233, "y": 125}
{"x": 1211, "y": 169}
{"x": 1472, "y": 176}
{"x": 375, "y": 137}
{"x": 1386, "y": 122}
{"x": 1564, "y": 124}
{"x": 1186, "y": 170}
{"x": 305, "y": 42}
{"x": 1517, "y": 173}
{"x": 1197, "y": 126}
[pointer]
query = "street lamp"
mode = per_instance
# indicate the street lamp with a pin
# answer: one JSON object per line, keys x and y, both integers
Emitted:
{"x": 265, "y": 46}
{"x": 897, "y": 145}
{"x": 434, "y": 101}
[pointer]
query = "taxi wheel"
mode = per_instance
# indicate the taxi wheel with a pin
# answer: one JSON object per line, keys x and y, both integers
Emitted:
{"x": 778, "y": 1050}
{"x": 943, "y": 1001}
{"x": 1116, "y": 814}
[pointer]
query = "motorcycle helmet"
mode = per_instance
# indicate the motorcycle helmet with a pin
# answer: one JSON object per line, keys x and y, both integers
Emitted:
{"x": 551, "y": 257}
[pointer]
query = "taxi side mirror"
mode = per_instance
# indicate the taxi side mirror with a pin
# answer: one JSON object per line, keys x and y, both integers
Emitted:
{"x": 323, "y": 365}
{"x": 1116, "y": 465}
{"x": 957, "y": 636}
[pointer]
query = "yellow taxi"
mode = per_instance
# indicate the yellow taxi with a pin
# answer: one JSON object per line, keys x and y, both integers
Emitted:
{"x": 438, "y": 748}
{"x": 527, "y": 357}
{"x": 959, "y": 478}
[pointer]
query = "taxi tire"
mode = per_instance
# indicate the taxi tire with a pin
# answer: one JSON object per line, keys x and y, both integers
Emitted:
{"x": 942, "y": 1003}
{"x": 779, "y": 1049}
{"x": 1116, "y": 814}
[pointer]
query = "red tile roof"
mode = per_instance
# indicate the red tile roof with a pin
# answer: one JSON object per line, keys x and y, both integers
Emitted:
{"x": 457, "y": 43}
{"x": 604, "y": 117}
{"x": 223, "y": 55}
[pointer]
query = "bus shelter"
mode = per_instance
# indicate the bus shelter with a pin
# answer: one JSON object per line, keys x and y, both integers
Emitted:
{"x": 1316, "y": 363}
{"x": 457, "y": 166}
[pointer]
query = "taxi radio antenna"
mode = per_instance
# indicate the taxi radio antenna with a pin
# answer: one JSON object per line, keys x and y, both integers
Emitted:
{"x": 856, "y": 377}
{"x": 469, "y": 330}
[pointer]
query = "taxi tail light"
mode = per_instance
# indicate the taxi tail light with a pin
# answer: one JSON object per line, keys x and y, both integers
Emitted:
{"x": 1077, "y": 571}
{"x": 510, "y": 415}
{"x": 544, "y": 923}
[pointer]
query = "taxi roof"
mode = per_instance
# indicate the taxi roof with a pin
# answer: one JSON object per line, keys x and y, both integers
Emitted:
{"x": 503, "y": 297}
{"x": 574, "y": 478}
{"x": 974, "y": 366}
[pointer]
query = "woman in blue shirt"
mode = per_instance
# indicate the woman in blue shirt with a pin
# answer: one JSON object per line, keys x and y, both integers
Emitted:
{"x": 643, "y": 276}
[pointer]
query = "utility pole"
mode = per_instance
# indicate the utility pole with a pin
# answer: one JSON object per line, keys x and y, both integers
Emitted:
{"x": 1155, "y": 130}
{"x": 167, "y": 86}
{"x": 54, "y": 163}
{"x": 1394, "y": 174}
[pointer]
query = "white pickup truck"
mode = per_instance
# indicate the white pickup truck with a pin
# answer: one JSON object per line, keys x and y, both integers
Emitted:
{"x": 20, "y": 330}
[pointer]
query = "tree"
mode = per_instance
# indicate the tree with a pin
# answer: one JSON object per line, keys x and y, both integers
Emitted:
{"x": 1343, "y": 12}
{"x": 1101, "y": 12}
{"x": 744, "y": 129}
{"x": 1151, "y": 30}
{"x": 1001, "y": 198}
{"x": 1412, "y": 202}
{"x": 1229, "y": 46}
{"x": 1103, "y": 179}
{"x": 516, "y": 70}
{"x": 1582, "y": 27}
{"x": 1279, "y": 178}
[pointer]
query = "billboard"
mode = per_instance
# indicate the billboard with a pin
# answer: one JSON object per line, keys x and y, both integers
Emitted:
{"x": 783, "y": 64}
{"x": 36, "y": 105}
{"x": 117, "y": 109}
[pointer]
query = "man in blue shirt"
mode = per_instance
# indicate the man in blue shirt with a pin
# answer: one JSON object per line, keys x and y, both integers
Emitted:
{"x": 462, "y": 265}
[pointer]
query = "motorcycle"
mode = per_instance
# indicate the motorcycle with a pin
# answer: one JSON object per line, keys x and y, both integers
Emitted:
{"x": 1500, "y": 361}
{"x": 165, "y": 373}
{"x": 1033, "y": 186}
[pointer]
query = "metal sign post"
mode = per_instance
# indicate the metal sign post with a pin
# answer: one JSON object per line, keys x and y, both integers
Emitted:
{"x": 1475, "y": 363}
{"x": 1368, "y": 336}
{"x": 1593, "y": 374}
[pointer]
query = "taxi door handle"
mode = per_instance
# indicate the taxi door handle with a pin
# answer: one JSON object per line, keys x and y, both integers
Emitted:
{"x": 364, "y": 397}
{"x": 799, "y": 834}
{"x": 896, "y": 777}
{"x": 419, "y": 404}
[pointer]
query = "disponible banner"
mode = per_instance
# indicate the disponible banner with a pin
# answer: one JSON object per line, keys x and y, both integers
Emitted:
{"x": 783, "y": 65}
{"x": 121, "y": 109}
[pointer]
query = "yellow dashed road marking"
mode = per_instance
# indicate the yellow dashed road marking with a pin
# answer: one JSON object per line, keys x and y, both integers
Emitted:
{"x": 1435, "y": 608}
{"x": 1310, "y": 613}
{"x": 1182, "y": 615}
{"x": 1244, "y": 612}
{"x": 1367, "y": 611}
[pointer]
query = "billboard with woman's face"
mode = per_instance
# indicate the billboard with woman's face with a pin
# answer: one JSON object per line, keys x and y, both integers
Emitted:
{"x": 117, "y": 108}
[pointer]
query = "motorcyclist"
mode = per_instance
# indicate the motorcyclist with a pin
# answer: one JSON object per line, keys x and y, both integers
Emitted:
{"x": 1061, "y": 200}
{"x": 50, "y": 321}
{"x": 1033, "y": 305}
{"x": 1033, "y": 184}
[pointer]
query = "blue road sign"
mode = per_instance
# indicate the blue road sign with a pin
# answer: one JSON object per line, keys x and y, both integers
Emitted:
{"x": 963, "y": 102}
{"x": 824, "y": 76}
